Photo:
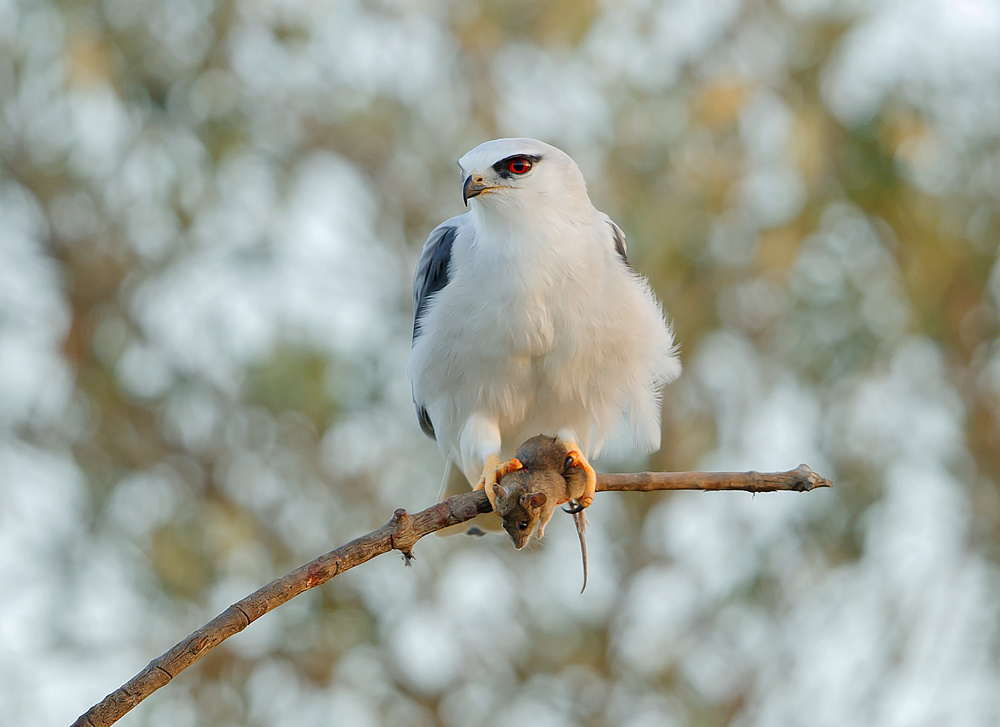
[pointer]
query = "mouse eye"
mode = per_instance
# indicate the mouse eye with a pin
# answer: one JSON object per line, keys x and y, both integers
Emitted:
{"x": 522, "y": 526}
{"x": 520, "y": 165}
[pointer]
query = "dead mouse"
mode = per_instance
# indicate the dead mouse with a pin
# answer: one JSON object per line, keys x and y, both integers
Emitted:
{"x": 542, "y": 475}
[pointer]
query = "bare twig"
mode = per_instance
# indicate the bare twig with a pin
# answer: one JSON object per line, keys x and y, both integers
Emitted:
{"x": 400, "y": 533}
{"x": 800, "y": 479}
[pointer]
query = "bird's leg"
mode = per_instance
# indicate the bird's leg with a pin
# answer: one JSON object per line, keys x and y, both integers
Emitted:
{"x": 493, "y": 472}
{"x": 489, "y": 478}
{"x": 578, "y": 460}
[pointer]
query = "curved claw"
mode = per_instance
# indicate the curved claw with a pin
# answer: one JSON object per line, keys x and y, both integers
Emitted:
{"x": 574, "y": 507}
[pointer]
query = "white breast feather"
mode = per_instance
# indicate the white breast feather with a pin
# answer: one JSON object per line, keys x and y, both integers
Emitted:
{"x": 544, "y": 329}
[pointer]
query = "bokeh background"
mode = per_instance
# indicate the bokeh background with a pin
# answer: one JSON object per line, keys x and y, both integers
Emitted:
{"x": 209, "y": 217}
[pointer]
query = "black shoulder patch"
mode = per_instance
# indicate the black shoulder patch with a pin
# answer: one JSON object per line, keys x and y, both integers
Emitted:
{"x": 425, "y": 422}
{"x": 619, "y": 238}
{"x": 434, "y": 276}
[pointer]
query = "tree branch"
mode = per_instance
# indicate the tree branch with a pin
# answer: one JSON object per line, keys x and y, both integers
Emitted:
{"x": 400, "y": 533}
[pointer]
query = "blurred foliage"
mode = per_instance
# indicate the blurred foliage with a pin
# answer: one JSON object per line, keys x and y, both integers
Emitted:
{"x": 209, "y": 215}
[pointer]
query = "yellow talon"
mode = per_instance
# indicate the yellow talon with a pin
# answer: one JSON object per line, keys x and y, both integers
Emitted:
{"x": 511, "y": 465}
{"x": 578, "y": 460}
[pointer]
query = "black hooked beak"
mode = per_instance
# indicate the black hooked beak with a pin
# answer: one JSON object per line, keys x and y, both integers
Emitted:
{"x": 474, "y": 185}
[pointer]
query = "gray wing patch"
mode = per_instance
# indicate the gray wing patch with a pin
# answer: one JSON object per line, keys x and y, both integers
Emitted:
{"x": 619, "y": 237}
{"x": 432, "y": 271}
{"x": 432, "y": 275}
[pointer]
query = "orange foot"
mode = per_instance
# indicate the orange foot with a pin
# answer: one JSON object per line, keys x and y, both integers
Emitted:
{"x": 493, "y": 471}
{"x": 578, "y": 460}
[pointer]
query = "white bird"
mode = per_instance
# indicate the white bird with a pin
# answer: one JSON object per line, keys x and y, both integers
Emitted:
{"x": 529, "y": 320}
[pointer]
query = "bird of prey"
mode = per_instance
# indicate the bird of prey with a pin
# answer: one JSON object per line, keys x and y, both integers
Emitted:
{"x": 528, "y": 319}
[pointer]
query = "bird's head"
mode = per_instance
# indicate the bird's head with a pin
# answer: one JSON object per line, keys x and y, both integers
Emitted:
{"x": 519, "y": 172}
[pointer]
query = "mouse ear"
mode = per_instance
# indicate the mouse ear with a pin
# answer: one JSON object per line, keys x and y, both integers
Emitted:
{"x": 499, "y": 491}
{"x": 535, "y": 499}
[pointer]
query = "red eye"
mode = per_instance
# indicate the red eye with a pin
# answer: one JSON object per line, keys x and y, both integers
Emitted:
{"x": 519, "y": 165}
